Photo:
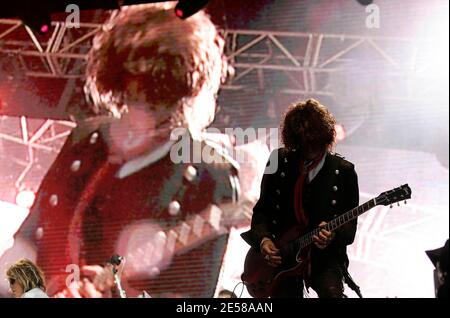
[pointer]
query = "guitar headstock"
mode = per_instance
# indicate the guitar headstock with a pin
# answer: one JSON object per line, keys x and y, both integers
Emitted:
{"x": 401, "y": 193}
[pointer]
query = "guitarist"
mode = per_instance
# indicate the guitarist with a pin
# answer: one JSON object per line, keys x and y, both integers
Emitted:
{"x": 310, "y": 186}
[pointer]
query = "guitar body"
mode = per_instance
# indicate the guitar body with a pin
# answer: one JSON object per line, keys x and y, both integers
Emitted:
{"x": 261, "y": 279}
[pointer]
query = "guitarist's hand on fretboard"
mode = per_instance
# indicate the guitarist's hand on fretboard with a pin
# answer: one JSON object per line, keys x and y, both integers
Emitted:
{"x": 270, "y": 252}
{"x": 324, "y": 238}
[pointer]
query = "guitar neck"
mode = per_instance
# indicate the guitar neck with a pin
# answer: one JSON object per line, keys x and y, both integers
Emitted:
{"x": 194, "y": 231}
{"x": 337, "y": 222}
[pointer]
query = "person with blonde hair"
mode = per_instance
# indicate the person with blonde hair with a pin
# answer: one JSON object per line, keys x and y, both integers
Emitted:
{"x": 26, "y": 280}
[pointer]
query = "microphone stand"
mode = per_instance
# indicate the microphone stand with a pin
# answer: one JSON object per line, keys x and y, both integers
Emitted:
{"x": 115, "y": 262}
{"x": 117, "y": 282}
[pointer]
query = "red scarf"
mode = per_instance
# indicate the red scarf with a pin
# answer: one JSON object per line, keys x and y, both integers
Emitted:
{"x": 300, "y": 214}
{"x": 298, "y": 192}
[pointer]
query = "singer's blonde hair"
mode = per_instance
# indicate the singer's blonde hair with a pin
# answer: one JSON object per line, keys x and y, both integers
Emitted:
{"x": 27, "y": 274}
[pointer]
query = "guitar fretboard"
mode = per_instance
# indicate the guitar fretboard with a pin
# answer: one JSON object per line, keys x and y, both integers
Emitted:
{"x": 337, "y": 222}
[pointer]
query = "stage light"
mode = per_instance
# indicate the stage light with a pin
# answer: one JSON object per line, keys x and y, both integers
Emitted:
{"x": 340, "y": 132}
{"x": 365, "y": 2}
{"x": 25, "y": 198}
{"x": 36, "y": 16}
{"x": 44, "y": 28}
{"x": 40, "y": 25}
{"x": 186, "y": 8}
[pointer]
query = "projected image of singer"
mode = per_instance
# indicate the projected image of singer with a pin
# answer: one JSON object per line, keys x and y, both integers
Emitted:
{"x": 26, "y": 280}
{"x": 114, "y": 187}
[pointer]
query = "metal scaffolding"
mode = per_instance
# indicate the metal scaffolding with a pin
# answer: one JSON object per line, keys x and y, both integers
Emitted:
{"x": 38, "y": 138}
{"x": 303, "y": 61}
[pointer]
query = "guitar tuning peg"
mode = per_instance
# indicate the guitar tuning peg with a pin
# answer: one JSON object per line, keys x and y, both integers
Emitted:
{"x": 405, "y": 201}
{"x": 390, "y": 206}
{"x": 398, "y": 203}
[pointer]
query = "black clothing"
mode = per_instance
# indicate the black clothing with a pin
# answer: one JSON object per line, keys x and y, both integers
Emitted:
{"x": 333, "y": 191}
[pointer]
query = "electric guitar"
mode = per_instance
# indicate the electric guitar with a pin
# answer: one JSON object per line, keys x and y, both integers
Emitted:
{"x": 261, "y": 279}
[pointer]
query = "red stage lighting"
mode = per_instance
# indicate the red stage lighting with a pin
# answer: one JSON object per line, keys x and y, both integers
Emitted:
{"x": 179, "y": 13}
{"x": 186, "y": 8}
{"x": 44, "y": 28}
{"x": 35, "y": 15}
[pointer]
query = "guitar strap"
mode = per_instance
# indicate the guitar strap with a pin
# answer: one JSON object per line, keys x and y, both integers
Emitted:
{"x": 350, "y": 282}
{"x": 75, "y": 231}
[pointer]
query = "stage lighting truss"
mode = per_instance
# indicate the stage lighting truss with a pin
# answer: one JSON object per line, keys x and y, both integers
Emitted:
{"x": 35, "y": 139}
{"x": 56, "y": 57}
{"x": 304, "y": 60}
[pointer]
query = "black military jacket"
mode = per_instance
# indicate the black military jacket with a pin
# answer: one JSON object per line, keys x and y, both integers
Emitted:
{"x": 333, "y": 191}
{"x": 162, "y": 192}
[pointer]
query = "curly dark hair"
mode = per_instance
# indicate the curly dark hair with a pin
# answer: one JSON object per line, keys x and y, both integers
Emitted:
{"x": 145, "y": 52}
{"x": 308, "y": 125}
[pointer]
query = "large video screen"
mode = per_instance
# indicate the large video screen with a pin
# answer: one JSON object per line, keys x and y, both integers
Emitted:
{"x": 136, "y": 141}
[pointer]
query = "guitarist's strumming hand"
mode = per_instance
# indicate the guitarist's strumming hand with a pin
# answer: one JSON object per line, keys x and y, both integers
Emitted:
{"x": 97, "y": 282}
{"x": 324, "y": 238}
{"x": 270, "y": 252}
